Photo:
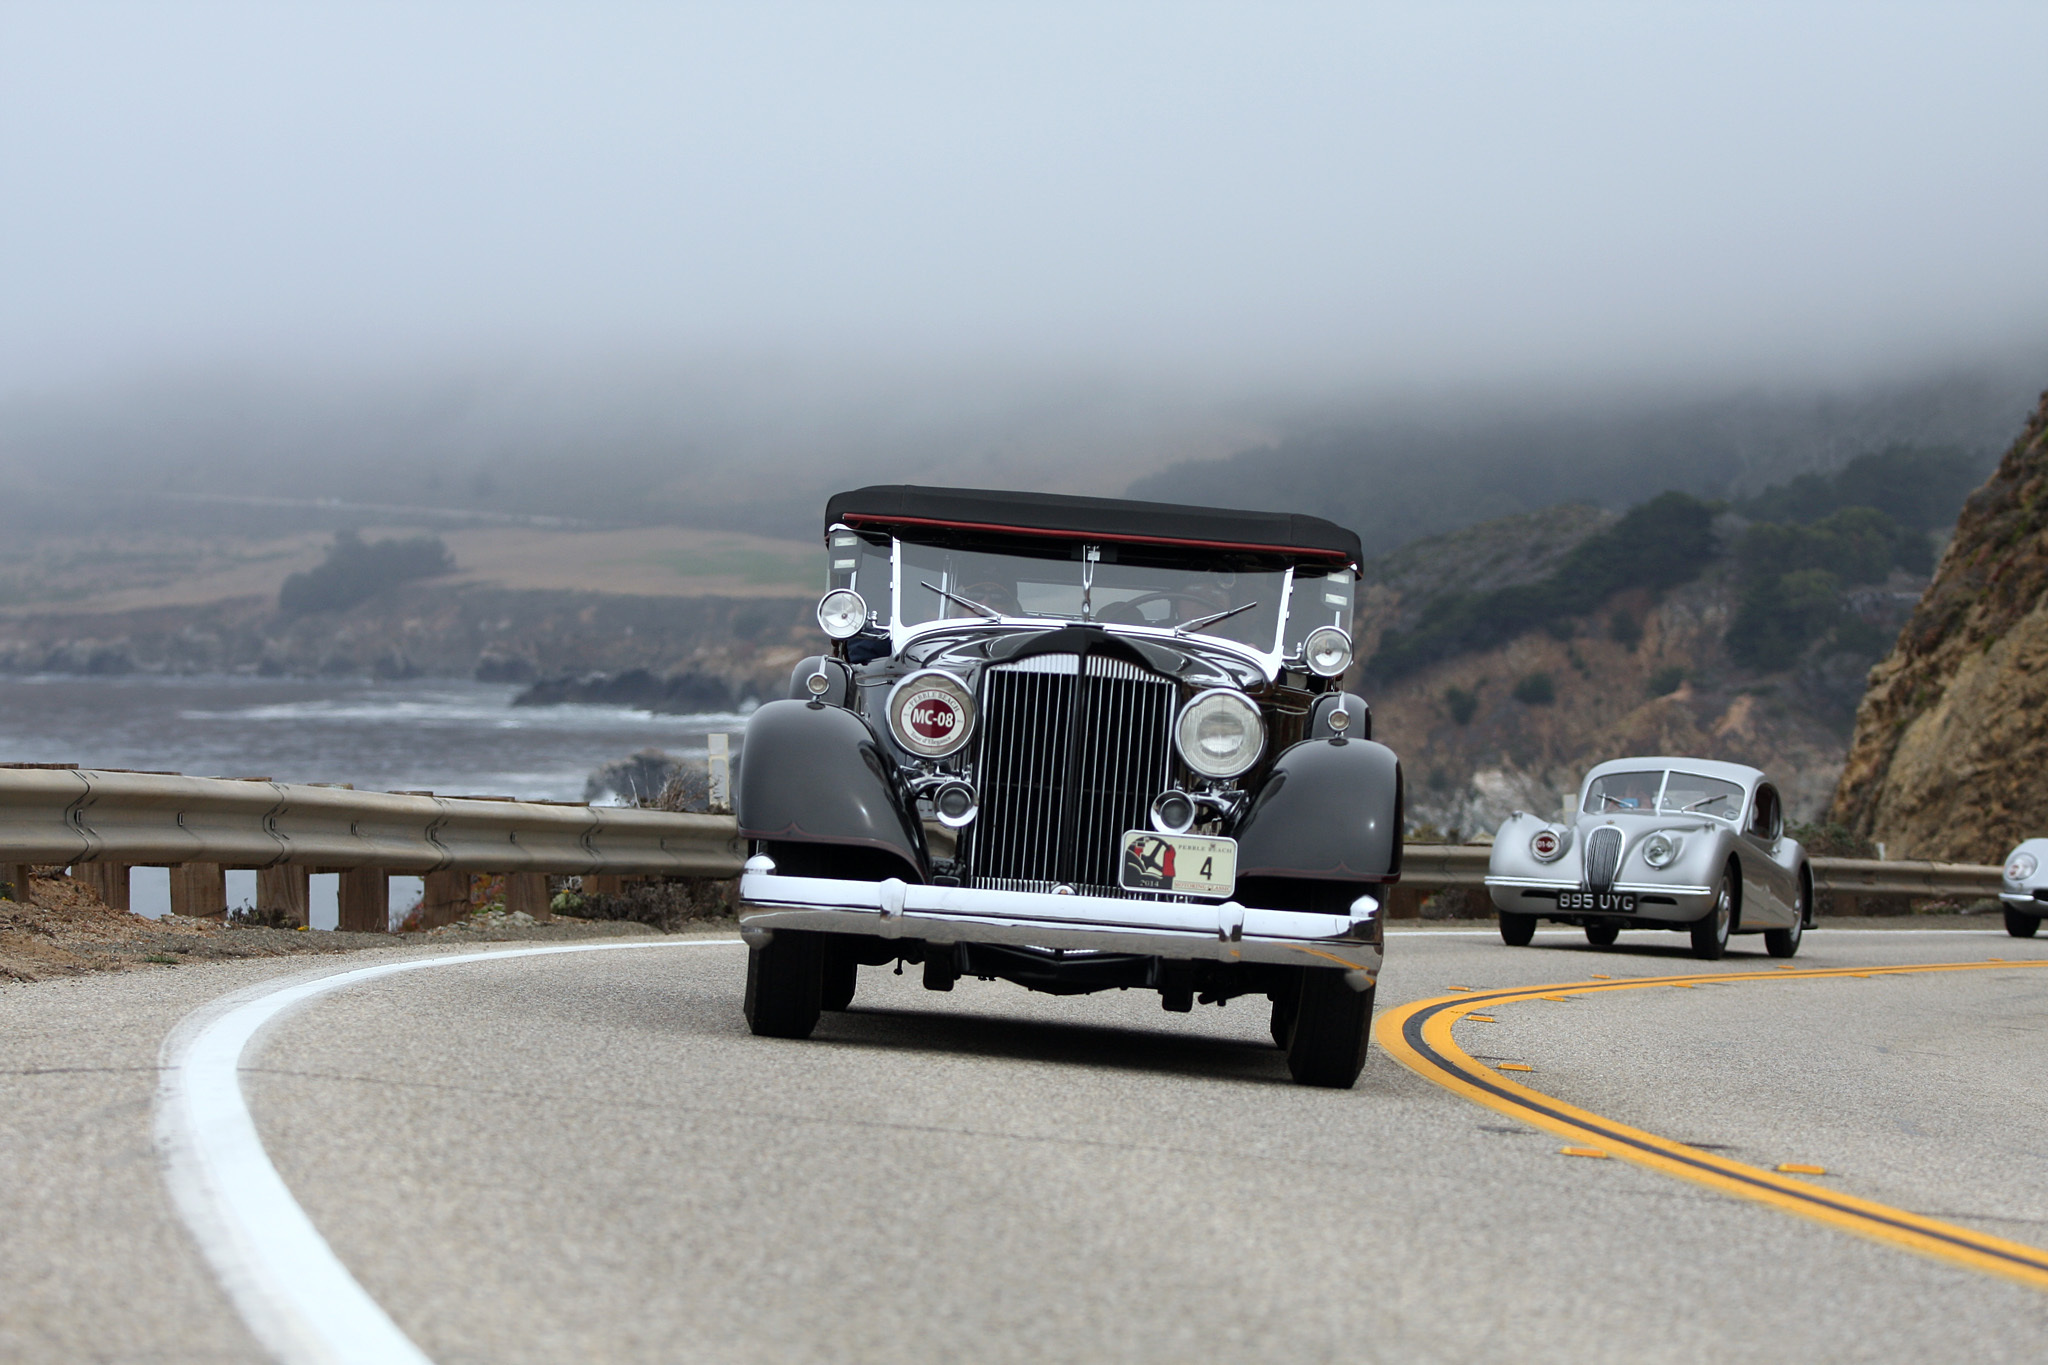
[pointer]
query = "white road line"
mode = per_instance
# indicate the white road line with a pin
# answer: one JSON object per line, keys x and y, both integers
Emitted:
{"x": 290, "y": 1288}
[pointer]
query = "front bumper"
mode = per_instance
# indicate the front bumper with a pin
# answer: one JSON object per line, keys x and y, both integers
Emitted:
{"x": 2035, "y": 900}
{"x": 1687, "y": 903}
{"x": 1228, "y": 932}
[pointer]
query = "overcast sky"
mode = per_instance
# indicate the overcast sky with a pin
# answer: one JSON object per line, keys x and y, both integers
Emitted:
{"x": 1311, "y": 196}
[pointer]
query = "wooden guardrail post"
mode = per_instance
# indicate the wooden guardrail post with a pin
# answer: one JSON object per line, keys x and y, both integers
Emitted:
{"x": 199, "y": 890}
{"x": 365, "y": 901}
{"x": 445, "y": 899}
{"x": 528, "y": 891}
{"x": 284, "y": 889}
{"x": 109, "y": 881}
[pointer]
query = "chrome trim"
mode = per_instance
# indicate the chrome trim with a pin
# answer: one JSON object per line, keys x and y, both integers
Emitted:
{"x": 1533, "y": 883}
{"x": 1594, "y": 863}
{"x": 1228, "y": 932}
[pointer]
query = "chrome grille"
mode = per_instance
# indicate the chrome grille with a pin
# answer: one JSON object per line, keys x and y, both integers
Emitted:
{"x": 1069, "y": 760}
{"x": 1603, "y": 857}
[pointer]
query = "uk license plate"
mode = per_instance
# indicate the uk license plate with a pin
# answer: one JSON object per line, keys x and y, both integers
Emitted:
{"x": 1179, "y": 864}
{"x": 1597, "y": 902}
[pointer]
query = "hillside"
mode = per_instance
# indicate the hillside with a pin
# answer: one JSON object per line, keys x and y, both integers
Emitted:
{"x": 1504, "y": 659}
{"x": 1951, "y": 739}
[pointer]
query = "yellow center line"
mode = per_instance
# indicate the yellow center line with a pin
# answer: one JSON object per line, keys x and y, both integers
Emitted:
{"x": 1418, "y": 1035}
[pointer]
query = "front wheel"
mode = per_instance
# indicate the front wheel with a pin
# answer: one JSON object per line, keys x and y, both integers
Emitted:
{"x": 1517, "y": 931}
{"x": 1326, "y": 1042}
{"x": 1602, "y": 935}
{"x": 1785, "y": 942}
{"x": 1710, "y": 933}
{"x": 785, "y": 985}
{"x": 2020, "y": 924}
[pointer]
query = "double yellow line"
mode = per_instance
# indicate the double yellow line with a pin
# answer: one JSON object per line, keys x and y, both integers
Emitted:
{"x": 1419, "y": 1036}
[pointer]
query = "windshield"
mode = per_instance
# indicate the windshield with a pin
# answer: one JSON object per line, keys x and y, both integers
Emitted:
{"x": 938, "y": 583}
{"x": 1673, "y": 793}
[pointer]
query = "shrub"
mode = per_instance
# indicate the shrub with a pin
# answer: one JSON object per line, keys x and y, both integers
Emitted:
{"x": 1920, "y": 488}
{"x": 1536, "y": 690}
{"x": 1625, "y": 630}
{"x": 1463, "y": 704}
{"x": 1777, "y": 618}
{"x": 355, "y": 571}
{"x": 1667, "y": 680}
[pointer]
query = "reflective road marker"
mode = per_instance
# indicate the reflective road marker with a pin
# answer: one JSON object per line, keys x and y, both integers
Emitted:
{"x": 1419, "y": 1036}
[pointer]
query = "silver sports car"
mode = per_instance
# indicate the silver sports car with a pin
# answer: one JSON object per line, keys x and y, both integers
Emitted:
{"x": 2025, "y": 891}
{"x": 1658, "y": 843}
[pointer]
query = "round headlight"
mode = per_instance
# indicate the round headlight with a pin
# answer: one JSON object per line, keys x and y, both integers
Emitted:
{"x": 2021, "y": 867}
{"x": 842, "y": 613}
{"x": 931, "y": 713}
{"x": 1328, "y": 651}
{"x": 1546, "y": 845}
{"x": 1659, "y": 850}
{"x": 1220, "y": 733}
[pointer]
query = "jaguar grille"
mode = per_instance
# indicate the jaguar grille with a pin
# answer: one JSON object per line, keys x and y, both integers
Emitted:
{"x": 1070, "y": 758}
{"x": 1603, "y": 857}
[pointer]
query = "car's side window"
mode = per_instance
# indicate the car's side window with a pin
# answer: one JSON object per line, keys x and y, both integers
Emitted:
{"x": 1765, "y": 817}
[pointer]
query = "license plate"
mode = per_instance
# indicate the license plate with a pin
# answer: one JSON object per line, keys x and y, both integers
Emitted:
{"x": 1597, "y": 902}
{"x": 1180, "y": 864}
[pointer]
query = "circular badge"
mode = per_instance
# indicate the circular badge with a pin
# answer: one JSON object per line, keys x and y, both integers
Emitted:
{"x": 931, "y": 713}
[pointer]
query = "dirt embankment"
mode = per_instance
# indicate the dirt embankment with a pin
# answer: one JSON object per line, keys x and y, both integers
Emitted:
{"x": 60, "y": 927}
{"x": 1952, "y": 736}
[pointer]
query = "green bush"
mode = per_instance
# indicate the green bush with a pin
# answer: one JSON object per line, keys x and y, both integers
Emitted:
{"x": 1463, "y": 704}
{"x": 356, "y": 571}
{"x": 1536, "y": 690}
{"x": 1777, "y": 617}
{"x": 1667, "y": 680}
{"x": 1625, "y": 630}
{"x": 1920, "y": 488}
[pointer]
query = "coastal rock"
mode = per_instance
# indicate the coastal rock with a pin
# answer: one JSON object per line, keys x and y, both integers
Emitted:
{"x": 1953, "y": 730}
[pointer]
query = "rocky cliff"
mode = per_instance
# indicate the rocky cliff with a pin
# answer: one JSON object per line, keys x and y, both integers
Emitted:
{"x": 1952, "y": 735}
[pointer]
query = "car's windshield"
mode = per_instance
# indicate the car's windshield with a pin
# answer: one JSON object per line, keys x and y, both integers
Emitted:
{"x": 1673, "y": 793}
{"x": 937, "y": 583}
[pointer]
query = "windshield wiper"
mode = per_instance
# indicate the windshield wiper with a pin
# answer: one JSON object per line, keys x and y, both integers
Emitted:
{"x": 1201, "y": 621}
{"x": 987, "y": 612}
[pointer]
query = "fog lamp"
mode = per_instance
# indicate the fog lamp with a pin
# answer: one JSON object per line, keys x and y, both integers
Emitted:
{"x": 956, "y": 805}
{"x": 1546, "y": 845}
{"x": 1173, "y": 812}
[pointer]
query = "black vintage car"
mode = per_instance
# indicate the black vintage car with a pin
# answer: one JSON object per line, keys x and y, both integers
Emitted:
{"x": 1077, "y": 744}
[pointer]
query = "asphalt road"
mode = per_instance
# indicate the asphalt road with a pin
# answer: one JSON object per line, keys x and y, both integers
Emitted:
{"x": 588, "y": 1157}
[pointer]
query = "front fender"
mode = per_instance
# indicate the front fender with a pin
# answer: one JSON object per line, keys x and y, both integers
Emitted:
{"x": 1331, "y": 810}
{"x": 816, "y": 774}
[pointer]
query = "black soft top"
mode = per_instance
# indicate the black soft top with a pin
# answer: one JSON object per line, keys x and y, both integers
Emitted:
{"x": 908, "y": 507}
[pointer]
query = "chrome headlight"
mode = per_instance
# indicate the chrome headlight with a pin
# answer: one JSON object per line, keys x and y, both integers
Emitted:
{"x": 842, "y": 613}
{"x": 1220, "y": 733}
{"x": 1660, "y": 850}
{"x": 2022, "y": 866}
{"x": 1328, "y": 651}
{"x": 931, "y": 713}
{"x": 1546, "y": 845}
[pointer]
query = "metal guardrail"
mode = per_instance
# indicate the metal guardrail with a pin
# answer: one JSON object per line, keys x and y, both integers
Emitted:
{"x": 1438, "y": 867}
{"x": 68, "y": 816}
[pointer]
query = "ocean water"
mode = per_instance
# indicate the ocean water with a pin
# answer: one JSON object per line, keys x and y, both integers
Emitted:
{"x": 455, "y": 738}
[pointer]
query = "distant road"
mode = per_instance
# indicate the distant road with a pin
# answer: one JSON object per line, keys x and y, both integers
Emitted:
{"x": 587, "y": 1157}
